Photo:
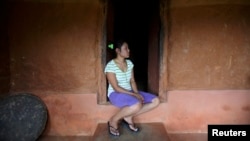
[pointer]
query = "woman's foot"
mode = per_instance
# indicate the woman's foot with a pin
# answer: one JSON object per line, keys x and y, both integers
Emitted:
{"x": 129, "y": 123}
{"x": 112, "y": 130}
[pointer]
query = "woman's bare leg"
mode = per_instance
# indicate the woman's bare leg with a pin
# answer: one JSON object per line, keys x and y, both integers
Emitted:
{"x": 124, "y": 112}
{"x": 127, "y": 113}
{"x": 145, "y": 108}
{"x": 149, "y": 106}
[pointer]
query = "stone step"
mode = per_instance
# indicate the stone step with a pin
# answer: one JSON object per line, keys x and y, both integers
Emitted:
{"x": 148, "y": 132}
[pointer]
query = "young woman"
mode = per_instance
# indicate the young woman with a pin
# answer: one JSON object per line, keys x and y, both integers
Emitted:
{"x": 123, "y": 92}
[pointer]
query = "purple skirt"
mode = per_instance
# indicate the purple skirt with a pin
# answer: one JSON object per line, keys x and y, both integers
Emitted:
{"x": 121, "y": 99}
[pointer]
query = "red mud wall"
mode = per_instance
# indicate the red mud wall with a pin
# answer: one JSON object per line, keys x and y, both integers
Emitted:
{"x": 54, "y": 46}
{"x": 207, "y": 57}
{"x": 209, "y": 45}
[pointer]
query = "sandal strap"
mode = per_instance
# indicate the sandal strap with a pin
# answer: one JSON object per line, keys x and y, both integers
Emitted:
{"x": 113, "y": 130}
{"x": 134, "y": 128}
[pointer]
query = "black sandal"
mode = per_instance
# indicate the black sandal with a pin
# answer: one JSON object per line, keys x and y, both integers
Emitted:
{"x": 134, "y": 129}
{"x": 113, "y": 131}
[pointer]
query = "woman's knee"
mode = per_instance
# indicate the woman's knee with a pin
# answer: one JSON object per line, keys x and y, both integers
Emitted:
{"x": 156, "y": 101}
{"x": 136, "y": 107}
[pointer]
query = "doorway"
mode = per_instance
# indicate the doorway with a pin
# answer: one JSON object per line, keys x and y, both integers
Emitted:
{"x": 138, "y": 22}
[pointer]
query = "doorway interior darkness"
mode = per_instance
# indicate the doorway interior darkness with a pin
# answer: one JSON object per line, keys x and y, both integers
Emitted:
{"x": 138, "y": 22}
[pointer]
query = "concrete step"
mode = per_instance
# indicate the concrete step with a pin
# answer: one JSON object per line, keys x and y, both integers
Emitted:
{"x": 172, "y": 136}
{"x": 148, "y": 132}
{"x": 65, "y": 138}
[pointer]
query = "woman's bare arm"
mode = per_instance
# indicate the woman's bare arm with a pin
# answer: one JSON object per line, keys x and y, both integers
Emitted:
{"x": 112, "y": 80}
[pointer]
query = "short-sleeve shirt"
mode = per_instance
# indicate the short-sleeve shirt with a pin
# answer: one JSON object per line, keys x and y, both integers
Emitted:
{"x": 123, "y": 78}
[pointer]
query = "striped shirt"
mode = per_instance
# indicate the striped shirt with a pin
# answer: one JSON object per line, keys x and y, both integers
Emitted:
{"x": 123, "y": 78}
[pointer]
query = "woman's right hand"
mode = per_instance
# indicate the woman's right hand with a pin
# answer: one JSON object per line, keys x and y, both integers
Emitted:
{"x": 138, "y": 96}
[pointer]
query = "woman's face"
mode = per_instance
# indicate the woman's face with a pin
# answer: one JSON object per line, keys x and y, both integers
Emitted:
{"x": 124, "y": 51}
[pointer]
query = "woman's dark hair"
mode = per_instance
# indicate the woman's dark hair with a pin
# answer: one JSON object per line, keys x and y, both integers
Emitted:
{"x": 119, "y": 43}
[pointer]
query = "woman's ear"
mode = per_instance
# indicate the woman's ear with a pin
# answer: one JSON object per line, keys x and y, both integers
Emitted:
{"x": 117, "y": 50}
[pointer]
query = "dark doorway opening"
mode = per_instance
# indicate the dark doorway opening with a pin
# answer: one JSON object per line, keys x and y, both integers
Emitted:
{"x": 138, "y": 22}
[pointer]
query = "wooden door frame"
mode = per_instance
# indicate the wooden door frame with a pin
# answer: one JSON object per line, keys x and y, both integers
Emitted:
{"x": 163, "y": 63}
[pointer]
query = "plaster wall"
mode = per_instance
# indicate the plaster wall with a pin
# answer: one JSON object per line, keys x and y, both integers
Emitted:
{"x": 209, "y": 47}
{"x": 54, "y": 49}
{"x": 54, "y": 46}
{"x": 185, "y": 112}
